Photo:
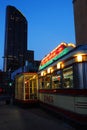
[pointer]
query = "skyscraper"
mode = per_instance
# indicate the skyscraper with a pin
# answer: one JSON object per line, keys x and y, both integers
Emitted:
{"x": 15, "y": 39}
{"x": 80, "y": 20}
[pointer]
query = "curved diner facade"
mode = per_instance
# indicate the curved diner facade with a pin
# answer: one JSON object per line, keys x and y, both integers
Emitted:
{"x": 62, "y": 81}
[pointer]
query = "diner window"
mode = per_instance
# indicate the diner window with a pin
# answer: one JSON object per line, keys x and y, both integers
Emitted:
{"x": 47, "y": 82}
{"x": 41, "y": 83}
{"x": 56, "y": 79}
{"x": 68, "y": 77}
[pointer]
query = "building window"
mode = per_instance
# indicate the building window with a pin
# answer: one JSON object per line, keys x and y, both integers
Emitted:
{"x": 47, "y": 81}
{"x": 12, "y": 17}
{"x": 41, "y": 83}
{"x": 68, "y": 77}
{"x": 56, "y": 79}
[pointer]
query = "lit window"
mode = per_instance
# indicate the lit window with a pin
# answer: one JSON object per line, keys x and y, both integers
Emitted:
{"x": 56, "y": 80}
{"x": 68, "y": 77}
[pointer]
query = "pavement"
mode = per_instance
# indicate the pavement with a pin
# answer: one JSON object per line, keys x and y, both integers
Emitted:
{"x": 15, "y": 118}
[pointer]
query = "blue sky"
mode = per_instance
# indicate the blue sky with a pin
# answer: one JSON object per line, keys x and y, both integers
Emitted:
{"x": 50, "y": 22}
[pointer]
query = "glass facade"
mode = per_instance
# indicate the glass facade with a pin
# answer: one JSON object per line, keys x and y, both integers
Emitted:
{"x": 26, "y": 86}
{"x": 15, "y": 39}
{"x": 47, "y": 82}
{"x": 58, "y": 79}
{"x": 68, "y": 77}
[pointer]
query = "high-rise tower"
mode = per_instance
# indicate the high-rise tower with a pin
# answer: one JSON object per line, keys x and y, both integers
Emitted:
{"x": 80, "y": 20}
{"x": 15, "y": 39}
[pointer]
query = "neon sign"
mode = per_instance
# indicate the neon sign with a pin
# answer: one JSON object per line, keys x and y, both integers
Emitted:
{"x": 59, "y": 51}
{"x": 53, "y": 53}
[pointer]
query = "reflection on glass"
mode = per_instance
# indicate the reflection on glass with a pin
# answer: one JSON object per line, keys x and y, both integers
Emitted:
{"x": 56, "y": 80}
{"x": 48, "y": 81}
{"x": 68, "y": 77}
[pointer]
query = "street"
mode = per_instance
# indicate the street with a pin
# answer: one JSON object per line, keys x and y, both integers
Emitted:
{"x": 15, "y": 118}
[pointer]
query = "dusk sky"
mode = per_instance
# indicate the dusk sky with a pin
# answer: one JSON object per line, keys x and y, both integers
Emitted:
{"x": 50, "y": 22}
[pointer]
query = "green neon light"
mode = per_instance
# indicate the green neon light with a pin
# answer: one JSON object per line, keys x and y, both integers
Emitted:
{"x": 65, "y": 51}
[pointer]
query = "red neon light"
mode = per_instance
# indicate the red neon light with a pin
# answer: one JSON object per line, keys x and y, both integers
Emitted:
{"x": 52, "y": 54}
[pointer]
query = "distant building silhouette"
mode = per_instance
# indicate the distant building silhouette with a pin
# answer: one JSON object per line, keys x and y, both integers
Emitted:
{"x": 80, "y": 18}
{"x": 30, "y": 55}
{"x": 15, "y": 39}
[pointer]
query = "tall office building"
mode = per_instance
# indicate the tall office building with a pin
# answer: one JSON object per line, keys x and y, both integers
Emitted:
{"x": 15, "y": 39}
{"x": 80, "y": 20}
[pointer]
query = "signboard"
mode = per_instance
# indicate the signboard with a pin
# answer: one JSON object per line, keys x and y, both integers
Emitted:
{"x": 58, "y": 52}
